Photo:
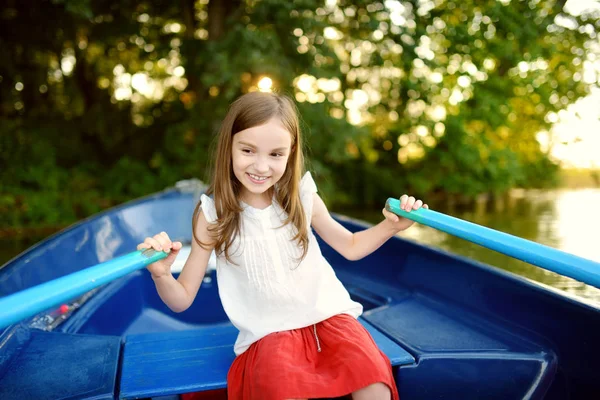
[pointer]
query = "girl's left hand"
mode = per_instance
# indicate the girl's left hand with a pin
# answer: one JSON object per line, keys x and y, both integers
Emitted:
{"x": 407, "y": 204}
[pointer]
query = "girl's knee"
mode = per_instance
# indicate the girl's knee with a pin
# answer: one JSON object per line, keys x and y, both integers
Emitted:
{"x": 376, "y": 391}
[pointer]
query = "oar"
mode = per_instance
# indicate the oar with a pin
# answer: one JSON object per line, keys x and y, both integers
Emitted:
{"x": 29, "y": 302}
{"x": 554, "y": 260}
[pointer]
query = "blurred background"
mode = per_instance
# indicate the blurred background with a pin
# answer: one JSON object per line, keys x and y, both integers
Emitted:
{"x": 489, "y": 109}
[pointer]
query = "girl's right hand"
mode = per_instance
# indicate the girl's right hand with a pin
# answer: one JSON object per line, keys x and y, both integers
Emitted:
{"x": 161, "y": 242}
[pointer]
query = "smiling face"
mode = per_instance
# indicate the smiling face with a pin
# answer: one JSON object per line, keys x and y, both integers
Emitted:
{"x": 259, "y": 158}
{"x": 259, "y": 145}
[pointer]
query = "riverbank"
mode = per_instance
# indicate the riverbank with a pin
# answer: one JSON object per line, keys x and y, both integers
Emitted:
{"x": 579, "y": 178}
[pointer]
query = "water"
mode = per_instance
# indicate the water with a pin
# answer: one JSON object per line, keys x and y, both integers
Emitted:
{"x": 568, "y": 220}
{"x": 564, "y": 219}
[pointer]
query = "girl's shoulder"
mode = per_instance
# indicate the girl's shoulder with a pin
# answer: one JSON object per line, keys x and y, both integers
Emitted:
{"x": 308, "y": 188}
{"x": 207, "y": 204}
{"x": 307, "y": 185}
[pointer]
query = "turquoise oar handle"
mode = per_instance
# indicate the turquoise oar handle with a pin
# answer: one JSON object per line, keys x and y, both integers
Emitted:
{"x": 28, "y": 302}
{"x": 575, "y": 267}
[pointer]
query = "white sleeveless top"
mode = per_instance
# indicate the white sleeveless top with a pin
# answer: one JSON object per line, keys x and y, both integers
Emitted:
{"x": 268, "y": 291}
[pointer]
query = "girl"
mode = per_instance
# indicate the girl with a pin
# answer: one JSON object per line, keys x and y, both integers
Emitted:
{"x": 299, "y": 337}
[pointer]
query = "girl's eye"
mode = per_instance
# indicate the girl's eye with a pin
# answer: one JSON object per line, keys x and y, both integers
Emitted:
{"x": 276, "y": 154}
{"x": 247, "y": 151}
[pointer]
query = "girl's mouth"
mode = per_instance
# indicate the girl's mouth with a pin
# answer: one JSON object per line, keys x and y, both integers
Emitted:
{"x": 257, "y": 179}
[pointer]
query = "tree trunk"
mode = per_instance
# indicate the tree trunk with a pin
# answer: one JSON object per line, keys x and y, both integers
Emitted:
{"x": 189, "y": 50}
{"x": 218, "y": 12}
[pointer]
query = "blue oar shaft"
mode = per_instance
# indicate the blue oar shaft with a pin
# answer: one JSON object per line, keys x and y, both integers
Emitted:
{"x": 554, "y": 260}
{"x": 29, "y": 302}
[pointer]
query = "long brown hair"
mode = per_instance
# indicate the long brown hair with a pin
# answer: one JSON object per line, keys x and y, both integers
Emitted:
{"x": 250, "y": 110}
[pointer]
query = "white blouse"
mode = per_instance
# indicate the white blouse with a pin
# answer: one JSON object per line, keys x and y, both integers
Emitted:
{"x": 268, "y": 290}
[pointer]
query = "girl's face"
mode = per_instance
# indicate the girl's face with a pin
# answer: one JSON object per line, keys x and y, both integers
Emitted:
{"x": 259, "y": 157}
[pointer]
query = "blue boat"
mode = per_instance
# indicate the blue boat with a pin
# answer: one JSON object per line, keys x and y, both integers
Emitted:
{"x": 453, "y": 328}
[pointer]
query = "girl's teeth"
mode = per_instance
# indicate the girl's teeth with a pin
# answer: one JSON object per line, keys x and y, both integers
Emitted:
{"x": 258, "y": 178}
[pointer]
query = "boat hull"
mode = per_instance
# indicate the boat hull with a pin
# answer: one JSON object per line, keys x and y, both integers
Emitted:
{"x": 466, "y": 330}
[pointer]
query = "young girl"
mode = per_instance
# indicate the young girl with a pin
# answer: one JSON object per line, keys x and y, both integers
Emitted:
{"x": 299, "y": 337}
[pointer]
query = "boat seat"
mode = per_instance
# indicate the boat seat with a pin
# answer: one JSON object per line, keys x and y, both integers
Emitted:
{"x": 41, "y": 365}
{"x": 466, "y": 354}
{"x": 161, "y": 364}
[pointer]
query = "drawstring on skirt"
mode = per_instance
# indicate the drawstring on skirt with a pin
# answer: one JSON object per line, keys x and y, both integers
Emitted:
{"x": 317, "y": 338}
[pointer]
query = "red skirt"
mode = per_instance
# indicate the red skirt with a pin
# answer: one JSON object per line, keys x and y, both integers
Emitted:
{"x": 330, "y": 359}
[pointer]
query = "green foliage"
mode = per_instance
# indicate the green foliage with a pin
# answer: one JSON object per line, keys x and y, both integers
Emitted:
{"x": 456, "y": 92}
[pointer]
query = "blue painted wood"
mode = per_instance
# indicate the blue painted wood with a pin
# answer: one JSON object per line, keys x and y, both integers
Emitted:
{"x": 562, "y": 263}
{"x": 397, "y": 355}
{"x": 29, "y": 302}
{"x": 198, "y": 360}
{"x": 48, "y": 365}
{"x": 465, "y": 352}
{"x": 177, "y": 362}
{"x": 473, "y": 376}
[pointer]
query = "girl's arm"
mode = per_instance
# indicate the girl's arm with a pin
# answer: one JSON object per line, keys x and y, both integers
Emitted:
{"x": 179, "y": 294}
{"x": 354, "y": 246}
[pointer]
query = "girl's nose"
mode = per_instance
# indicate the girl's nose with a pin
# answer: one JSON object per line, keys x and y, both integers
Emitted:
{"x": 261, "y": 165}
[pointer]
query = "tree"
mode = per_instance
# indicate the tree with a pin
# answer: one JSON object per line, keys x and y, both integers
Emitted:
{"x": 104, "y": 101}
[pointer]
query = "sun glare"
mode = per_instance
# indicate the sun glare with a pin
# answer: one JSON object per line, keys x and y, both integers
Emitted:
{"x": 265, "y": 84}
{"x": 575, "y": 134}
